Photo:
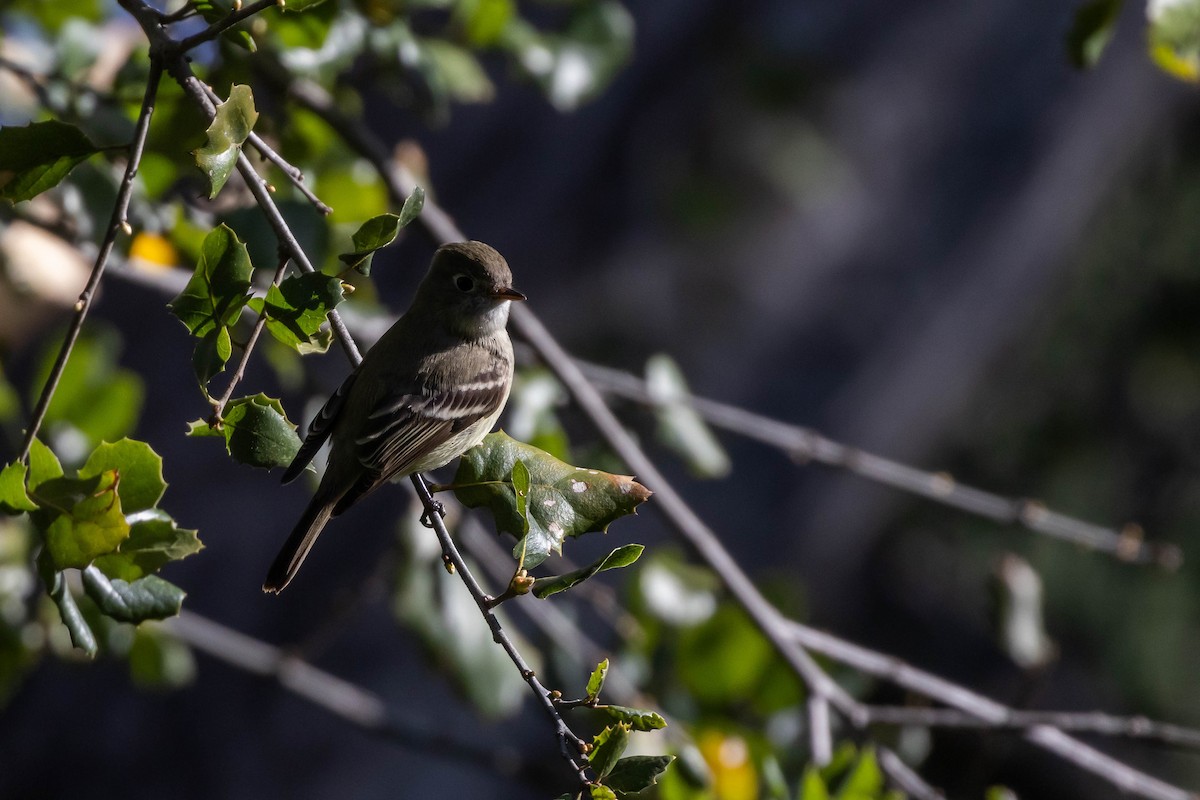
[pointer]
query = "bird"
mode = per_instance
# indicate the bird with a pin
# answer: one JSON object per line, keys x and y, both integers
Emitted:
{"x": 429, "y": 390}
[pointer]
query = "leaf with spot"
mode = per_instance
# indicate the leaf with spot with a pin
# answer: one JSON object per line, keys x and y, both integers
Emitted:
{"x": 562, "y": 500}
{"x": 38, "y": 156}
{"x": 256, "y": 432}
{"x": 233, "y": 122}
{"x": 296, "y": 310}
{"x": 621, "y": 557}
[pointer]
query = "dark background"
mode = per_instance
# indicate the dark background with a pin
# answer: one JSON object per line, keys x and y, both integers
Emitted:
{"x": 914, "y": 227}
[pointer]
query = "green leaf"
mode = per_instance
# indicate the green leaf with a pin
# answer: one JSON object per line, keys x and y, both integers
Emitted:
{"x": 256, "y": 430}
{"x": 637, "y": 773}
{"x": 56, "y": 586}
{"x": 80, "y": 518}
{"x": 1174, "y": 38}
{"x": 596, "y": 680}
{"x": 864, "y": 780}
{"x": 621, "y": 557}
{"x": 233, "y": 122}
{"x": 520, "y": 484}
{"x": 141, "y": 483}
{"x": 607, "y": 747}
{"x": 296, "y": 309}
{"x": 812, "y": 787}
{"x": 147, "y": 598}
{"x": 563, "y": 500}
{"x": 215, "y": 12}
{"x": 38, "y": 156}
{"x": 1091, "y": 31}
{"x": 484, "y": 21}
{"x": 679, "y": 426}
{"x": 154, "y": 540}
{"x": 211, "y": 355}
{"x": 639, "y": 719}
{"x": 599, "y": 791}
{"x": 13, "y": 497}
{"x": 43, "y": 465}
{"x": 380, "y": 231}
{"x": 219, "y": 286}
{"x": 159, "y": 660}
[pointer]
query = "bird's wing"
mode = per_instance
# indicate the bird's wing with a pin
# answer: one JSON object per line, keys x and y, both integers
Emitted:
{"x": 404, "y": 428}
{"x": 318, "y": 430}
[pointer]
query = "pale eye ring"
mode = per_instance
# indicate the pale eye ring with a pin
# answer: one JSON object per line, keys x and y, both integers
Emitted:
{"x": 464, "y": 283}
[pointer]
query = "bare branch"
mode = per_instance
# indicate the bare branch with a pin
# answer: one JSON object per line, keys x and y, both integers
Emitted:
{"x": 116, "y": 223}
{"x": 222, "y": 25}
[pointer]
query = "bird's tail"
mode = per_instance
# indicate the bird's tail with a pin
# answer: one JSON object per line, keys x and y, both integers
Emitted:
{"x": 296, "y": 548}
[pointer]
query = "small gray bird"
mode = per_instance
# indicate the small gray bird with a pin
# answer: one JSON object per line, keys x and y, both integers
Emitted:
{"x": 429, "y": 390}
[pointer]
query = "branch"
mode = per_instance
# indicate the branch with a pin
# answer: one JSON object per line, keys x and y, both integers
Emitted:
{"x": 805, "y": 444}
{"x": 1047, "y": 737}
{"x": 116, "y": 223}
{"x": 222, "y": 25}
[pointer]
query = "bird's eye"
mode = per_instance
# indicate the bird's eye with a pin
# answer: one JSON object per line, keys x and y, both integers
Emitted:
{"x": 464, "y": 283}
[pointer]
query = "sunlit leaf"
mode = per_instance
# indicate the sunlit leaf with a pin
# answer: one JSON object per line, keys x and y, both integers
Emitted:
{"x": 233, "y": 123}
{"x": 140, "y": 468}
{"x": 154, "y": 540}
{"x": 219, "y": 286}
{"x": 296, "y": 309}
{"x": 380, "y": 231}
{"x": 256, "y": 432}
{"x": 13, "y": 497}
{"x": 637, "y": 773}
{"x": 607, "y": 747}
{"x": 81, "y": 519}
{"x": 596, "y": 680}
{"x": 621, "y": 557}
{"x": 639, "y": 719}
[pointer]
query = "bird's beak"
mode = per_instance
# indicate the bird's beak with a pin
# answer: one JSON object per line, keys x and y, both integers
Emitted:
{"x": 508, "y": 293}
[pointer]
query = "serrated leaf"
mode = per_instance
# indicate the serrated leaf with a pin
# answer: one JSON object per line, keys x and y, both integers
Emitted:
{"x": 1091, "y": 31}
{"x": 43, "y": 465}
{"x": 38, "y": 156}
{"x": 13, "y": 497}
{"x": 563, "y": 500}
{"x": 637, "y": 773}
{"x": 596, "y": 680}
{"x": 297, "y": 307}
{"x": 154, "y": 540}
{"x": 81, "y": 519}
{"x": 140, "y": 468}
{"x": 233, "y": 122}
{"x": 215, "y": 12}
{"x": 621, "y": 557}
{"x": 256, "y": 432}
{"x": 639, "y": 719}
{"x": 219, "y": 286}
{"x": 56, "y": 586}
{"x": 607, "y": 747}
{"x": 147, "y": 598}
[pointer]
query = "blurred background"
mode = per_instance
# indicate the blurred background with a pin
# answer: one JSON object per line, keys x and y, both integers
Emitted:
{"x": 917, "y": 228}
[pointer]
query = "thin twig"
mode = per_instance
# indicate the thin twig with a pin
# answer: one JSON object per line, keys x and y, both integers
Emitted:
{"x": 904, "y": 777}
{"x": 932, "y": 686}
{"x": 805, "y": 444}
{"x": 224, "y": 24}
{"x": 570, "y": 745}
{"x": 116, "y": 223}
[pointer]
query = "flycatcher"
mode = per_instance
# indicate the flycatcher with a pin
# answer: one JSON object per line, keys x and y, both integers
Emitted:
{"x": 430, "y": 389}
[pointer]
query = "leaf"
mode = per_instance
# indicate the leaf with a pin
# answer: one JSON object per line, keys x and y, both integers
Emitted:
{"x": 378, "y": 232}
{"x": 38, "y": 156}
{"x": 256, "y": 431}
{"x": 56, "y": 586}
{"x": 300, "y": 5}
{"x": 679, "y": 426}
{"x": 563, "y": 500}
{"x": 621, "y": 557}
{"x": 1174, "y": 38}
{"x": 80, "y": 518}
{"x": 637, "y": 773}
{"x": 215, "y": 12}
{"x": 13, "y": 497}
{"x": 158, "y": 660}
{"x": 484, "y": 21}
{"x": 219, "y": 286}
{"x": 864, "y": 780}
{"x": 812, "y": 787}
{"x": 607, "y": 747}
{"x": 233, "y": 122}
{"x": 639, "y": 719}
{"x": 147, "y": 598}
{"x": 297, "y": 307}
{"x": 154, "y": 540}
{"x": 598, "y": 791}
{"x": 140, "y": 469}
{"x": 1091, "y": 31}
{"x": 43, "y": 465}
{"x": 596, "y": 680}
{"x": 211, "y": 355}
